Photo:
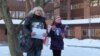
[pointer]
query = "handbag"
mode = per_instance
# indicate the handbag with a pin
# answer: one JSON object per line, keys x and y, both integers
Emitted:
{"x": 24, "y": 39}
{"x": 25, "y": 42}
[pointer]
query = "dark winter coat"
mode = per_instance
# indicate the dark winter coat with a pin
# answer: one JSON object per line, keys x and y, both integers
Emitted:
{"x": 56, "y": 40}
{"x": 31, "y": 22}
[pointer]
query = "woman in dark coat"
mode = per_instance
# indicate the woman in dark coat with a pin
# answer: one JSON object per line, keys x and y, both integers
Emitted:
{"x": 57, "y": 33}
{"x": 35, "y": 19}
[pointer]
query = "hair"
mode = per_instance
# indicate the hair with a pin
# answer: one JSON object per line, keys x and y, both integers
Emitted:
{"x": 55, "y": 19}
{"x": 31, "y": 12}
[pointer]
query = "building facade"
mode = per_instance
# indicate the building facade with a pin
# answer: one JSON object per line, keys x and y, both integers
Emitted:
{"x": 86, "y": 9}
{"x": 67, "y": 9}
{"x": 81, "y": 9}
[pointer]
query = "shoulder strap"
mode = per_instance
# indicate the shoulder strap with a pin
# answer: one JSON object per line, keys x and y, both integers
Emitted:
{"x": 18, "y": 28}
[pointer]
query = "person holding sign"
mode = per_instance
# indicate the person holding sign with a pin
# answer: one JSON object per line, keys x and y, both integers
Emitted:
{"x": 36, "y": 26}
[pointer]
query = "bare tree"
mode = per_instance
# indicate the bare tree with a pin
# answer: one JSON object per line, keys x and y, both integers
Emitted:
{"x": 43, "y": 4}
{"x": 11, "y": 35}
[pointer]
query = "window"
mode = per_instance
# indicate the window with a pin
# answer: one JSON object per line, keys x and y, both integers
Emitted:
{"x": 63, "y": 5}
{"x": 70, "y": 32}
{"x": 93, "y": 33}
{"x": 50, "y": 15}
{"x": 50, "y": 1}
{"x": 33, "y": 0}
{"x": 95, "y": 16}
{"x": 5, "y": 31}
{"x": 94, "y": 2}
{"x": 77, "y": 17}
{"x": 86, "y": 33}
{"x": 13, "y": 14}
{"x": 17, "y": 14}
{"x": 97, "y": 32}
{"x": 77, "y": 6}
{"x": 21, "y": 14}
{"x": 20, "y": 0}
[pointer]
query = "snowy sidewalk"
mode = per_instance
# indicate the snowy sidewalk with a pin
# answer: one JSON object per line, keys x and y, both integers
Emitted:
{"x": 68, "y": 50}
{"x": 86, "y": 43}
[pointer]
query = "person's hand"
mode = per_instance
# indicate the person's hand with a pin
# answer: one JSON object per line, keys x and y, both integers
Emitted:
{"x": 53, "y": 27}
{"x": 33, "y": 33}
{"x": 63, "y": 35}
{"x": 45, "y": 34}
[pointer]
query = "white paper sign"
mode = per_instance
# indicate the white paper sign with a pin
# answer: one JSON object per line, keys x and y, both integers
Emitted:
{"x": 39, "y": 33}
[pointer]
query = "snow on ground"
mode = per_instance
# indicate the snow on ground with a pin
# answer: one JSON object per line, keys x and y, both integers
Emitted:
{"x": 85, "y": 42}
{"x": 68, "y": 50}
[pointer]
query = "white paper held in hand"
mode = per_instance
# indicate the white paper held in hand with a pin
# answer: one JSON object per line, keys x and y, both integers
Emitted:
{"x": 39, "y": 33}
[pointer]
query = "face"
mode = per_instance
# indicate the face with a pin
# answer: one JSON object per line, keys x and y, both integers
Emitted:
{"x": 38, "y": 12}
{"x": 58, "y": 19}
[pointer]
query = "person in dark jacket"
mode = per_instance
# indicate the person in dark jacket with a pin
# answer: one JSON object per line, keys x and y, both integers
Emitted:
{"x": 35, "y": 19}
{"x": 57, "y": 33}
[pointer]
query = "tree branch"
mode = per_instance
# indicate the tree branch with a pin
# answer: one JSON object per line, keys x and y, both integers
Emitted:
{"x": 45, "y": 3}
